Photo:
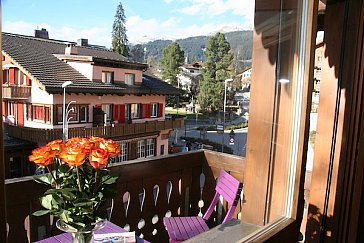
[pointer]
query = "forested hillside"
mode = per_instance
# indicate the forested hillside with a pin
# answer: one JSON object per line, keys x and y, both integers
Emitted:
{"x": 193, "y": 47}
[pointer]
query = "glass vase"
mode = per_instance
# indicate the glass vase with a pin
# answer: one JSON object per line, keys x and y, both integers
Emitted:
{"x": 81, "y": 236}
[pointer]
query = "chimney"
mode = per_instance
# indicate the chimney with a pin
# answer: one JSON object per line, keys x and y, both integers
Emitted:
{"x": 82, "y": 42}
{"x": 70, "y": 49}
{"x": 43, "y": 33}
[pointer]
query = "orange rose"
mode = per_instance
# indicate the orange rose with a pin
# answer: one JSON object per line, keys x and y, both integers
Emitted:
{"x": 74, "y": 140}
{"x": 111, "y": 146}
{"x": 89, "y": 145}
{"x": 73, "y": 154}
{"x": 98, "y": 158}
{"x": 42, "y": 156}
{"x": 96, "y": 141}
{"x": 56, "y": 145}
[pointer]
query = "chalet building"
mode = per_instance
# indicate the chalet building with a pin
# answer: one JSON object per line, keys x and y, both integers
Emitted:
{"x": 110, "y": 96}
{"x": 189, "y": 76}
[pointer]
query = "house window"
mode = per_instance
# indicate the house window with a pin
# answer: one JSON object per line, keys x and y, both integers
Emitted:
{"x": 10, "y": 108}
{"x": 107, "y": 77}
{"x": 107, "y": 109}
{"x": 76, "y": 114}
{"x": 141, "y": 148}
{"x": 38, "y": 112}
{"x": 47, "y": 113}
{"x": 29, "y": 112}
{"x": 6, "y": 76}
{"x": 150, "y": 147}
{"x": 162, "y": 149}
{"x": 154, "y": 110}
{"x": 130, "y": 78}
{"x": 124, "y": 151}
{"x": 135, "y": 110}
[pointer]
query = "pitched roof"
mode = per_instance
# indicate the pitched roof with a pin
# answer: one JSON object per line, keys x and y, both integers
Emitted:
{"x": 37, "y": 57}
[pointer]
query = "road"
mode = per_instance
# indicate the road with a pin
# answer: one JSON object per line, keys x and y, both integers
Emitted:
{"x": 239, "y": 147}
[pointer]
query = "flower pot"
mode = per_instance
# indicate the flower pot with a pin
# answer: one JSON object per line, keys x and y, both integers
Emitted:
{"x": 81, "y": 236}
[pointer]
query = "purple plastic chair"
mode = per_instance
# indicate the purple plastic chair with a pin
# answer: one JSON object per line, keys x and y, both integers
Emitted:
{"x": 183, "y": 228}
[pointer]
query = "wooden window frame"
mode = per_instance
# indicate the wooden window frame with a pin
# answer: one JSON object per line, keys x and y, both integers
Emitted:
{"x": 107, "y": 77}
{"x": 130, "y": 78}
{"x": 154, "y": 110}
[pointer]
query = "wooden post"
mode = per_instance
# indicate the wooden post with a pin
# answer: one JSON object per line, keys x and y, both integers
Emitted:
{"x": 3, "y": 237}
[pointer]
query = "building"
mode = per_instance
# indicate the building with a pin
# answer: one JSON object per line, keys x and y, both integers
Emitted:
{"x": 110, "y": 96}
{"x": 274, "y": 169}
{"x": 246, "y": 78}
{"x": 189, "y": 76}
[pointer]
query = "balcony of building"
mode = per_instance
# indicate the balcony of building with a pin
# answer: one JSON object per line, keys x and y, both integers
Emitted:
{"x": 148, "y": 190}
{"x": 114, "y": 131}
{"x": 16, "y": 92}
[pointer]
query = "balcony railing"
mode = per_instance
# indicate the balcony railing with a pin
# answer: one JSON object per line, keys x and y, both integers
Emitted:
{"x": 39, "y": 135}
{"x": 148, "y": 190}
{"x": 16, "y": 92}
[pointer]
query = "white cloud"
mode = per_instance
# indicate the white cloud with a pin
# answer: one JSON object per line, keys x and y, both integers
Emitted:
{"x": 144, "y": 30}
{"x": 169, "y": 23}
{"x": 95, "y": 35}
{"x": 213, "y": 8}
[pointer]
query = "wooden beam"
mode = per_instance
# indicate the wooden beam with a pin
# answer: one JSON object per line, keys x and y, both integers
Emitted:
{"x": 3, "y": 237}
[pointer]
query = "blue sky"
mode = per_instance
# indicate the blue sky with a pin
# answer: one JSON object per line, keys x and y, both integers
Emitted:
{"x": 146, "y": 19}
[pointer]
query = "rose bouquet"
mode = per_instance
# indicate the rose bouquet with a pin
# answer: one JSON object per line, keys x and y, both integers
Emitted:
{"x": 80, "y": 182}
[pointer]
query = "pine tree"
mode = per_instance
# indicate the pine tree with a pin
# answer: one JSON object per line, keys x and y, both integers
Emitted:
{"x": 172, "y": 59}
{"x": 215, "y": 71}
{"x": 137, "y": 53}
{"x": 119, "y": 39}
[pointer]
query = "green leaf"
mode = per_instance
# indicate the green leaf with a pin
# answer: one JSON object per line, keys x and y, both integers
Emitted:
{"x": 63, "y": 168}
{"x": 46, "y": 201}
{"x": 45, "y": 179}
{"x": 40, "y": 212}
{"x": 108, "y": 180}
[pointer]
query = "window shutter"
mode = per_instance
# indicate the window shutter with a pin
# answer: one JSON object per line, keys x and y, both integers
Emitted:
{"x": 160, "y": 109}
{"x": 3, "y": 57}
{"x": 144, "y": 110}
{"x": 116, "y": 113}
{"x": 121, "y": 113}
{"x": 149, "y": 114}
{"x": 12, "y": 76}
{"x": 4, "y": 108}
{"x": 28, "y": 81}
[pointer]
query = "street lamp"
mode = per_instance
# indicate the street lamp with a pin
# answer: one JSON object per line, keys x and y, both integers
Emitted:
{"x": 226, "y": 81}
{"x": 64, "y": 86}
{"x": 67, "y": 119}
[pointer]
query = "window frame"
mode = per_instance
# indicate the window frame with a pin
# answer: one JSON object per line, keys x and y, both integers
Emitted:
{"x": 154, "y": 110}
{"x": 135, "y": 110}
{"x": 150, "y": 147}
{"x": 59, "y": 114}
{"x": 107, "y": 77}
{"x": 129, "y": 78}
{"x": 141, "y": 149}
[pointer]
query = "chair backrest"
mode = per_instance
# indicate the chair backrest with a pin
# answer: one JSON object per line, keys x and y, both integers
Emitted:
{"x": 229, "y": 188}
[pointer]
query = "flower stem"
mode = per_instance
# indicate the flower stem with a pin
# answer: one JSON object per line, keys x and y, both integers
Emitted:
{"x": 78, "y": 180}
{"x": 50, "y": 172}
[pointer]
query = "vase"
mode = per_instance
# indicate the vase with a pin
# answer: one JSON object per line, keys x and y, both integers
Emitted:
{"x": 81, "y": 236}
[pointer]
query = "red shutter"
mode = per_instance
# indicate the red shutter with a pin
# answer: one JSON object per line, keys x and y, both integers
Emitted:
{"x": 148, "y": 110}
{"x": 2, "y": 57}
{"x": 144, "y": 110}
{"x": 116, "y": 113}
{"x": 28, "y": 81}
{"x": 121, "y": 113}
{"x": 12, "y": 76}
{"x": 160, "y": 109}
{"x": 20, "y": 115}
{"x": 4, "y": 108}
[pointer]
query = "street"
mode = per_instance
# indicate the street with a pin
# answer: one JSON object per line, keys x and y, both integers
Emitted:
{"x": 239, "y": 147}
